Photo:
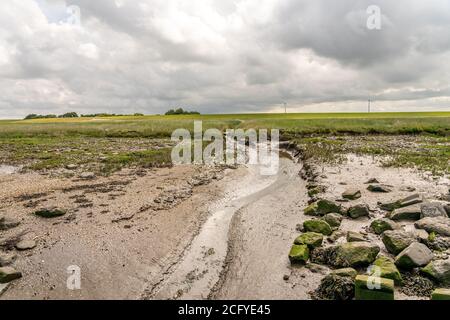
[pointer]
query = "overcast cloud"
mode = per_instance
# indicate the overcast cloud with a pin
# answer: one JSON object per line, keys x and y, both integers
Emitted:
{"x": 222, "y": 56}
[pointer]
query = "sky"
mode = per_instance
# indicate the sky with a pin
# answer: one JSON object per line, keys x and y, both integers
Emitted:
{"x": 223, "y": 56}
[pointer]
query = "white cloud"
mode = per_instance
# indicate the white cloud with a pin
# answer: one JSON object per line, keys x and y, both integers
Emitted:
{"x": 222, "y": 56}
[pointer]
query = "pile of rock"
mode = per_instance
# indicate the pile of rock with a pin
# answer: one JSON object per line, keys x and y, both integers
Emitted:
{"x": 361, "y": 271}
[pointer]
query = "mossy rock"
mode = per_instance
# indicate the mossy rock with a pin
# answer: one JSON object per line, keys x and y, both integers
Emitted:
{"x": 381, "y": 225}
{"x": 354, "y": 254}
{"x": 351, "y": 194}
{"x": 355, "y": 237}
{"x": 333, "y": 219}
{"x": 408, "y": 201}
{"x": 322, "y": 207}
{"x": 299, "y": 254}
{"x": 311, "y": 210}
{"x": 411, "y": 213}
{"x": 373, "y": 288}
{"x": 397, "y": 240}
{"x": 318, "y": 226}
{"x": 315, "y": 191}
{"x": 311, "y": 239}
{"x": 360, "y": 210}
{"x": 438, "y": 270}
{"x": 345, "y": 272}
{"x": 416, "y": 255}
{"x": 386, "y": 268}
{"x": 50, "y": 213}
{"x": 441, "y": 294}
{"x": 8, "y": 274}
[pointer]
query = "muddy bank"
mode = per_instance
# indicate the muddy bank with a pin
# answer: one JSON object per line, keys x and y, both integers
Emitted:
{"x": 185, "y": 232}
{"x": 122, "y": 231}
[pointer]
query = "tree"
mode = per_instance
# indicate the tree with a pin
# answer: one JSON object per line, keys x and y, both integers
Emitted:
{"x": 31, "y": 116}
{"x": 69, "y": 115}
{"x": 180, "y": 111}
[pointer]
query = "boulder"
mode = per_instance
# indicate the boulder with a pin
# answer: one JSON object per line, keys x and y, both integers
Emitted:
{"x": 421, "y": 235}
{"x": 351, "y": 194}
{"x": 314, "y": 191}
{"x": 372, "y": 180}
{"x": 8, "y": 274}
{"x": 7, "y": 259}
{"x": 439, "y": 225}
{"x": 336, "y": 236}
{"x": 322, "y": 207}
{"x": 373, "y": 288}
{"x": 416, "y": 255}
{"x": 441, "y": 294}
{"x": 405, "y": 202}
{"x": 379, "y": 188}
{"x": 333, "y": 219}
{"x": 354, "y": 254}
{"x": 360, "y": 210}
{"x": 311, "y": 239}
{"x": 355, "y": 237}
{"x": 318, "y": 226}
{"x": 299, "y": 254}
{"x": 345, "y": 272}
{"x": 385, "y": 268}
{"x": 396, "y": 241}
{"x": 8, "y": 223}
{"x": 432, "y": 210}
{"x": 438, "y": 270}
{"x": 25, "y": 245}
{"x": 411, "y": 200}
{"x": 381, "y": 225}
{"x": 50, "y": 213}
{"x": 408, "y": 213}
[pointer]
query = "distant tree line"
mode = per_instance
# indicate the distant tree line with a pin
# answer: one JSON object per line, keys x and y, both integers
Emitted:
{"x": 75, "y": 115}
{"x": 99, "y": 115}
{"x": 50, "y": 116}
{"x": 172, "y": 112}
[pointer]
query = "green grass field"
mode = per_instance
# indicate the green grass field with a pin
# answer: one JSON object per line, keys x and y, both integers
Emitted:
{"x": 437, "y": 123}
{"x": 106, "y": 144}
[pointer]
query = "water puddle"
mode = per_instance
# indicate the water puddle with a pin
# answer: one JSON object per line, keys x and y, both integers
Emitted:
{"x": 6, "y": 169}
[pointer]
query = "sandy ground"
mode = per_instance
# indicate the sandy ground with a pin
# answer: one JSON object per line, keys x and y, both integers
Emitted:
{"x": 213, "y": 233}
{"x": 112, "y": 230}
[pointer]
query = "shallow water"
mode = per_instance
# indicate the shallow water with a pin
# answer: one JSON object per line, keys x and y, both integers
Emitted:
{"x": 6, "y": 169}
{"x": 199, "y": 269}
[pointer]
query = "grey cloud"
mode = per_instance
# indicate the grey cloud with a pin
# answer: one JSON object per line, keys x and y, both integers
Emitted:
{"x": 220, "y": 56}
